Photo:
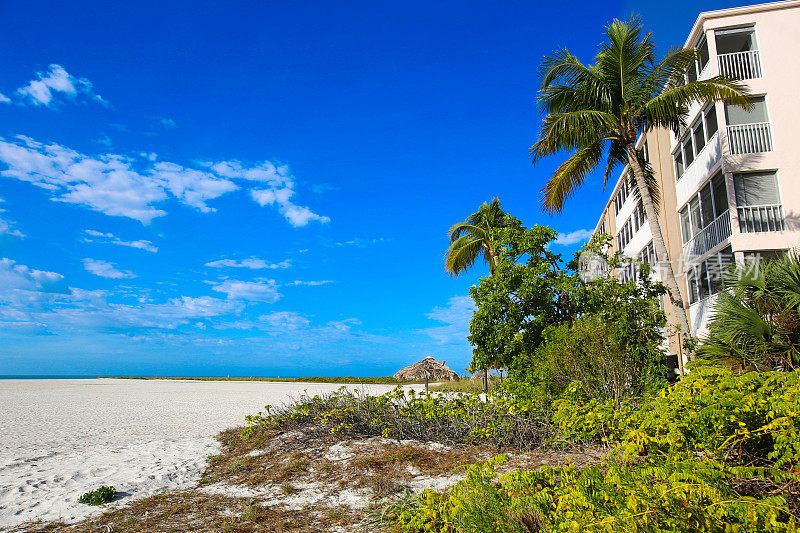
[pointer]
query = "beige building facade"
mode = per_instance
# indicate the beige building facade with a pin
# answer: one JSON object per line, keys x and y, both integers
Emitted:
{"x": 730, "y": 182}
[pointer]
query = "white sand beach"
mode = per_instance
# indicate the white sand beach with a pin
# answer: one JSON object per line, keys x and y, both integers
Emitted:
{"x": 61, "y": 438}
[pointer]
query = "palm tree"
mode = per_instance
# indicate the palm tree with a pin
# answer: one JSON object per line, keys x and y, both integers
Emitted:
{"x": 755, "y": 323}
{"x": 598, "y": 111}
{"x": 471, "y": 239}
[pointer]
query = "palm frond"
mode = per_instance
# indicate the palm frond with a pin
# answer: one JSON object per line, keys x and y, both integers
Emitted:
{"x": 569, "y": 176}
{"x": 671, "y": 105}
{"x": 463, "y": 253}
{"x": 574, "y": 130}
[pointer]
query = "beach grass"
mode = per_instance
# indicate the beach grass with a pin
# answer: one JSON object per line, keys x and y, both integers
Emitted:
{"x": 462, "y": 385}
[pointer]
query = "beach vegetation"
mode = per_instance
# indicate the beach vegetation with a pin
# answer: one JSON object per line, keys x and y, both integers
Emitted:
{"x": 756, "y": 322}
{"x": 98, "y": 496}
{"x": 451, "y": 418}
{"x": 717, "y": 451}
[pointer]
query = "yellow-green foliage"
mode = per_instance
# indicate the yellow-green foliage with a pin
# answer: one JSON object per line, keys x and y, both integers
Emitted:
{"x": 691, "y": 494}
{"x": 715, "y": 411}
{"x": 589, "y": 420}
{"x": 716, "y": 452}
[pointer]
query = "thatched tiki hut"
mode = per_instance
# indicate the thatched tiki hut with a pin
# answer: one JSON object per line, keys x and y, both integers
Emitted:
{"x": 429, "y": 369}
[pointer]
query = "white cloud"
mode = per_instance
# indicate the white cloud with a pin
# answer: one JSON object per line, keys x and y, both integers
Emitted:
{"x": 285, "y": 320}
{"x": 455, "y": 317}
{"x": 7, "y": 227}
{"x": 38, "y": 301}
{"x": 263, "y": 290}
{"x": 344, "y": 325}
{"x": 168, "y": 123}
{"x": 104, "y": 269}
{"x": 192, "y": 187}
{"x": 313, "y": 283}
{"x": 15, "y": 276}
{"x": 4, "y": 99}
{"x": 57, "y": 82}
{"x": 110, "y": 238}
{"x": 362, "y": 243}
{"x": 566, "y": 239}
{"x": 252, "y": 263}
{"x": 297, "y": 216}
{"x": 119, "y": 185}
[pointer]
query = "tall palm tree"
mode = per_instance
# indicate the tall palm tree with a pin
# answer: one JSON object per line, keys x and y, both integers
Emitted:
{"x": 755, "y": 322}
{"x": 471, "y": 239}
{"x": 598, "y": 111}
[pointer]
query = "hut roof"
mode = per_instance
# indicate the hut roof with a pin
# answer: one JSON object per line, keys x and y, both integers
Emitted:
{"x": 429, "y": 368}
{"x": 478, "y": 376}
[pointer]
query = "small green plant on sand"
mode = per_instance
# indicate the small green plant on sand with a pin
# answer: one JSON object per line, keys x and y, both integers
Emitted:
{"x": 98, "y": 497}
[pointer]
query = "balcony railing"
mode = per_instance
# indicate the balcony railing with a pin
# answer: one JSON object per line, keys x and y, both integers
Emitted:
{"x": 740, "y": 65}
{"x": 710, "y": 236}
{"x": 750, "y": 138}
{"x": 760, "y": 218}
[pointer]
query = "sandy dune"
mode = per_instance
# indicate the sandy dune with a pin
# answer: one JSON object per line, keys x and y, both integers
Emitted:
{"x": 60, "y": 438}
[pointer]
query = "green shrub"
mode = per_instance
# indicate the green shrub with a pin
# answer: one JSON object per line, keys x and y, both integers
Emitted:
{"x": 747, "y": 418}
{"x": 688, "y": 494}
{"x": 98, "y": 497}
{"x": 755, "y": 323}
{"x": 589, "y": 420}
{"x": 502, "y": 420}
{"x": 717, "y": 451}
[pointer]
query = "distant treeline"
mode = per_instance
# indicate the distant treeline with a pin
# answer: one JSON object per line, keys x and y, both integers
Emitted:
{"x": 378, "y": 380}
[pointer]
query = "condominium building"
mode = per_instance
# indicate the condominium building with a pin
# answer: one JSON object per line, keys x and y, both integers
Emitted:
{"x": 730, "y": 181}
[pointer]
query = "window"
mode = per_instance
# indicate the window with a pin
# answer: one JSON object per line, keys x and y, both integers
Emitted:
{"x": 720, "y": 194}
{"x": 735, "y": 115}
{"x": 710, "y": 115}
{"x": 756, "y": 188}
{"x": 688, "y": 150}
{"x": 708, "y": 278}
{"x": 648, "y": 254}
{"x": 703, "y": 208}
{"x": 625, "y": 234}
{"x": 639, "y": 217}
{"x": 706, "y": 205}
{"x": 699, "y": 136}
{"x": 702, "y": 50}
{"x": 733, "y": 40}
{"x": 645, "y": 153}
{"x": 694, "y": 215}
{"x": 679, "y": 163}
{"x": 621, "y": 196}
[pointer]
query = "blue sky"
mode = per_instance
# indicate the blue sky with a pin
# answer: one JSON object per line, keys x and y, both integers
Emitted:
{"x": 263, "y": 188}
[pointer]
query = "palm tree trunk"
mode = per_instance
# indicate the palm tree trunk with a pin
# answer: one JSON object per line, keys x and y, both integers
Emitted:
{"x": 492, "y": 257}
{"x": 662, "y": 256}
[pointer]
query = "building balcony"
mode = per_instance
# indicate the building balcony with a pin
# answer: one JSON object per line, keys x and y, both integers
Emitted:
{"x": 709, "y": 237}
{"x": 700, "y": 313}
{"x": 698, "y": 170}
{"x": 761, "y": 218}
{"x": 740, "y": 65}
{"x": 749, "y": 138}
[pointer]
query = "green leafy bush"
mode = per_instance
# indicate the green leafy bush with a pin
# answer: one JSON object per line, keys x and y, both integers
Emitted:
{"x": 99, "y": 496}
{"x": 752, "y": 418}
{"x": 589, "y": 420}
{"x": 755, "y": 324}
{"x": 504, "y": 419}
{"x": 718, "y": 451}
{"x": 689, "y": 494}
